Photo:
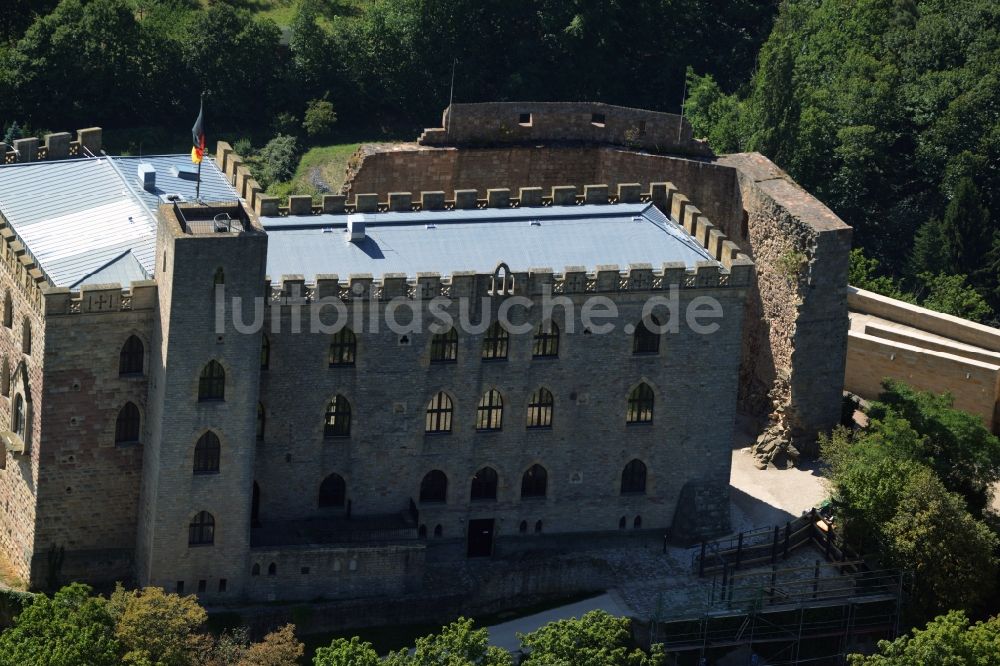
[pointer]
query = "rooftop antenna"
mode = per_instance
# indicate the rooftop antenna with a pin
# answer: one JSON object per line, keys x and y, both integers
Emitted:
{"x": 451, "y": 93}
{"x": 680, "y": 121}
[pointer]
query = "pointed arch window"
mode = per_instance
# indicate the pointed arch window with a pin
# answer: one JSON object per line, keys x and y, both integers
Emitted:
{"x": 489, "y": 415}
{"x": 201, "y": 530}
{"x": 540, "y": 408}
{"x": 434, "y": 487}
{"x": 5, "y": 378}
{"x": 207, "y": 453}
{"x": 128, "y": 425}
{"x": 645, "y": 341}
{"x": 219, "y": 277}
{"x": 261, "y": 421}
{"x": 640, "y": 404}
{"x": 634, "y": 478}
{"x": 265, "y": 352}
{"x": 444, "y": 347}
{"x": 484, "y": 485}
{"x": 132, "y": 356}
{"x": 496, "y": 342}
{"x": 534, "y": 482}
{"x": 546, "y": 343}
{"x": 26, "y": 336}
{"x": 343, "y": 348}
{"x": 338, "y": 418}
{"x": 439, "y": 414}
{"x": 212, "y": 382}
{"x": 17, "y": 418}
{"x": 332, "y": 492}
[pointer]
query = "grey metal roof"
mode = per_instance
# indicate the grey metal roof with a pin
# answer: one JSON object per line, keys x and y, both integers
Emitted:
{"x": 89, "y": 221}
{"x": 476, "y": 240}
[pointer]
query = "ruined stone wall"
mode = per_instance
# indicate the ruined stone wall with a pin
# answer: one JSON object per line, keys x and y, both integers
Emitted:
{"x": 89, "y": 484}
{"x": 796, "y": 354}
{"x": 492, "y": 123}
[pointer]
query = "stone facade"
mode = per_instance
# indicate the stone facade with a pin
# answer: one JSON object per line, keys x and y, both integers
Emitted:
{"x": 82, "y": 505}
{"x": 795, "y": 328}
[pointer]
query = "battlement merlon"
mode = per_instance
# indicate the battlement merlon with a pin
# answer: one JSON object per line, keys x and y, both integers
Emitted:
{"x": 604, "y": 279}
{"x": 54, "y": 146}
{"x": 99, "y": 298}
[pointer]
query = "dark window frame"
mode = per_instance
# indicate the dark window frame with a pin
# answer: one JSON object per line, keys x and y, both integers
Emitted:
{"x": 201, "y": 530}
{"x": 535, "y": 482}
{"x": 634, "y": 478}
{"x": 132, "y": 357}
{"x": 439, "y": 415}
{"x": 645, "y": 341}
{"x": 265, "y": 353}
{"x": 207, "y": 454}
{"x": 337, "y": 422}
{"x": 483, "y": 485}
{"x": 489, "y": 412}
{"x": 546, "y": 341}
{"x": 641, "y": 403}
{"x": 343, "y": 349}
{"x": 496, "y": 343}
{"x": 434, "y": 487}
{"x": 332, "y": 492}
{"x": 541, "y": 408}
{"x": 212, "y": 382}
{"x": 128, "y": 425}
{"x": 444, "y": 347}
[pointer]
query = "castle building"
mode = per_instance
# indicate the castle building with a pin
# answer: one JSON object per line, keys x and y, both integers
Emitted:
{"x": 254, "y": 402}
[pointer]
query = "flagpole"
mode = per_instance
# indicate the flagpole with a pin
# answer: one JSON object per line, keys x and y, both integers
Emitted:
{"x": 197, "y": 187}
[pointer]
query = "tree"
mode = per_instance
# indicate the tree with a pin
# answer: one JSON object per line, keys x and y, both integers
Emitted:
{"x": 343, "y": 652}
{"x": 948, "y": 639}
{"x": 863, "y": 274}
{"x": 596, "y": 639}
{"x": 713, "y": 114}
{"x": 156, "y": 628}
{"x": 279, "y": 648}
{"x": 950, "y": 553}
{"x": 956, "y": 444}
{"x": 458, "y": 644}
{"x": 70, "y": 629}
{"x": 320, "y": 118}
{"x": 950, "y": 294}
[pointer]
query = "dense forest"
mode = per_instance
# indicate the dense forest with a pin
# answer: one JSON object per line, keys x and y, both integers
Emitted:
{"x": 887, "y": 110}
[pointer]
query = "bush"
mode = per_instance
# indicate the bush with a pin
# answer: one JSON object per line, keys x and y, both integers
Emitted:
{"x": 320, "y": 118}
{"x": 276, "y": 161}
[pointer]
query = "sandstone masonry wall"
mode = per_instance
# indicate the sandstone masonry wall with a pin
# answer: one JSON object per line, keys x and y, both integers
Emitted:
{"x": 795, "y": 328}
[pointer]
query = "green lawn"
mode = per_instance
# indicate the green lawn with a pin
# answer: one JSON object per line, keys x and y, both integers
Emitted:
{"x": 282, "y": 12}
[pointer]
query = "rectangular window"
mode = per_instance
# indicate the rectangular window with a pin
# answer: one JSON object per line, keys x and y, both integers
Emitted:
{"x": 305, "y": 570}
{"x": 202, "y": 586}
{"x": 597, "y": 119}
{"x": 180, "y": 587}
{"x": 222, "y": 585}
{"x": 524, "y": 120}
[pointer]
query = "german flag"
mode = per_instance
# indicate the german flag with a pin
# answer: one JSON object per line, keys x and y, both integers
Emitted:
{"x": 198, "y": 136}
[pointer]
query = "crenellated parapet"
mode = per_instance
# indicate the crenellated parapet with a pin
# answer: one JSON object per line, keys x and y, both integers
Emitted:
{"x": 605, "y": 279}
{"x": 55, "y": 146}
{"x": 100, "y": 298}
{"x": 21, "y": 266}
